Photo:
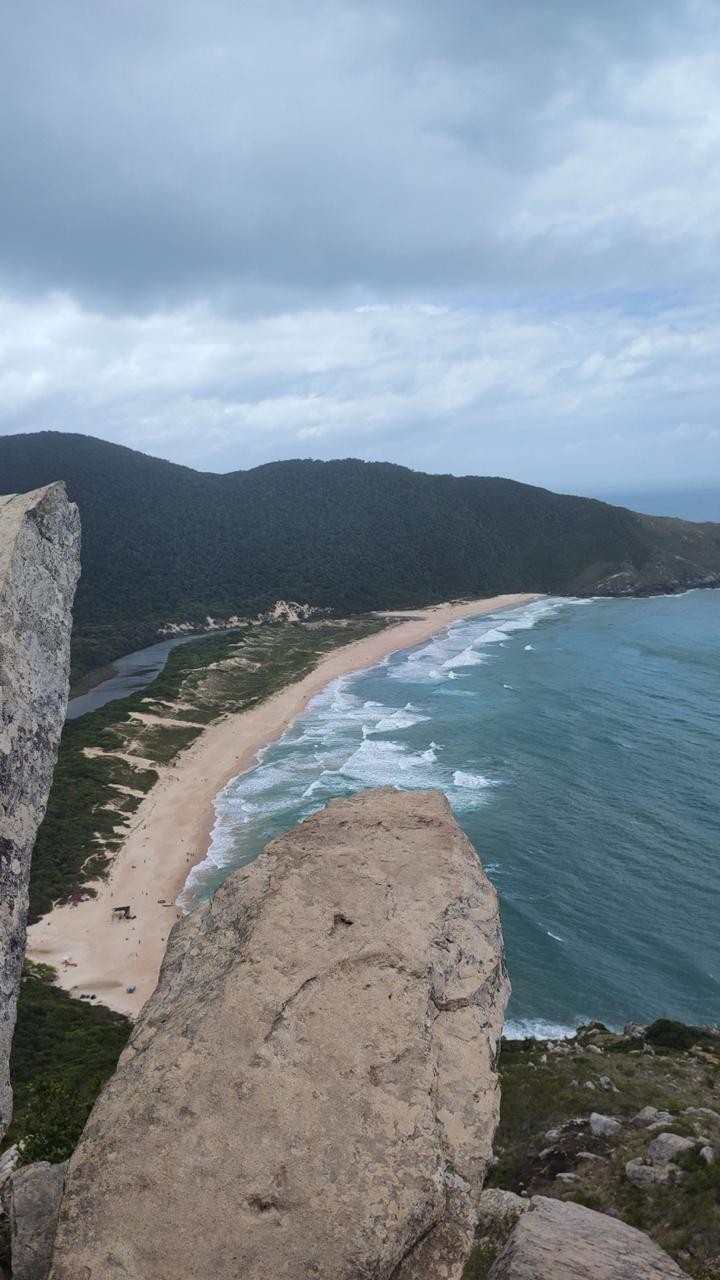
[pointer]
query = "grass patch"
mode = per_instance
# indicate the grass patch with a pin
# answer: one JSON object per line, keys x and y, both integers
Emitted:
{"x": 542, "y": 1090}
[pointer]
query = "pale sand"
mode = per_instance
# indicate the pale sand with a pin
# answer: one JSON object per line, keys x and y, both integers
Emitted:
{"x": 170, "y": 831}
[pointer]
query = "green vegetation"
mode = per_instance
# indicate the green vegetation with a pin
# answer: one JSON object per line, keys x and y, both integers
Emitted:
{"x": 485, "y": 1251}
{"x": 164, "y": 543}
{"x": 63, "y": 1052}
{"x": 94, "y": 795}
{"x": 482, "y": 1256}
{"x": 548, "y": 1095}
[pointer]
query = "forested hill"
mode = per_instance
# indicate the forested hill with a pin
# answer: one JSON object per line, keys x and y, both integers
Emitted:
{"x": 164, "y": 543}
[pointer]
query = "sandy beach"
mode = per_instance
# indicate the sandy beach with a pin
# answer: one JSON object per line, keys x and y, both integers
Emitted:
{"x": 170, "y": 831}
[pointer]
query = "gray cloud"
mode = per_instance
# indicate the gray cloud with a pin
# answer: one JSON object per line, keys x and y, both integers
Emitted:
{"x": 271, "y": 151}
{"x": 467, "y": 236}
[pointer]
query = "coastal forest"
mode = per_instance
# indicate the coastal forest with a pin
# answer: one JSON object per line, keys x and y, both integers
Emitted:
{"x": 165, "y": 544}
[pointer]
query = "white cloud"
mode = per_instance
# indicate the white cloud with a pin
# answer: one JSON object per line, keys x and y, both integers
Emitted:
{"x": 527, "y": 392}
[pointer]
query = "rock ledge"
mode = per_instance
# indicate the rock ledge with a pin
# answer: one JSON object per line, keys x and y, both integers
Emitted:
{"x": 311, "y": 1091}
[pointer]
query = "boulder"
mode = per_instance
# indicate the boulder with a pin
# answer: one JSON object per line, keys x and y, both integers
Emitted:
{"x": 34, "y": 1202}
{"x": 634, "y": 1030}
{"x": 39, "y": 567}
{"x": 707, "y": 1112}
{"x": 668, "y": 1145}
{"x": 707, "y": 1154}
{"x": 603, "y": 1126}
{"x": 558, "y": 1240}
{"x": 646, "y": 1176}
{"x": 311, "y": 1091}
{"x": 607, "y": 1083}
{"x": 496, "y": 1206}
{"x": 650, "y": 1116}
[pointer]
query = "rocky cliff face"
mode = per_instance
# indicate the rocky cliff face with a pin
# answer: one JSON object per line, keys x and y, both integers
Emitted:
{"x": 39, "y": 567}
{"x": 311, "y": 1091}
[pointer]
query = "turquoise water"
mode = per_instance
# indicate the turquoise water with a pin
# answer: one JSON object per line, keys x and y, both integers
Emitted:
{"x": 579, "y": 745}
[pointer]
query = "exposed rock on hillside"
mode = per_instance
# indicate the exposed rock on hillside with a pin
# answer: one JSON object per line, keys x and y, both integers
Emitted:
{"x": 39, "y": 567}
{"x": 311, "y": 1091}
{"x": 564, "y": 1241}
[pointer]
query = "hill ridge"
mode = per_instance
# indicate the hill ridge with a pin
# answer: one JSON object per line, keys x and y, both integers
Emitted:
{"x": 165, "y": 543}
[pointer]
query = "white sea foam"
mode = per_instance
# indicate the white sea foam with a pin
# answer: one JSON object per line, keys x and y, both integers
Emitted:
{"x": 404, "y": 718}
{"x": 467, "y": 658}
{"x": 473, "y": 781}
{"x": 539, "y": 1030}
{"x": 556, "y": 936}
{"x": 495, "y": 635}
{"x": 378, "y": 763}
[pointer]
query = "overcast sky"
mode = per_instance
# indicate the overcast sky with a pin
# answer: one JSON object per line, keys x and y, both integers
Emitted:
{"x": 466, "y": 236}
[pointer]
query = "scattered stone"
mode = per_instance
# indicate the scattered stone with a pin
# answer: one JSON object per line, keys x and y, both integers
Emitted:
{"x": 566, "y": 1177}
{"x": 592, "y": 1029}
{"x": 561, "y": 1240}
{"x": 299, "y": 1099}
{"x": 668, "y": 1145}
{"x": 707, "y": 1154}
{"x": 702, "y": 1111}
{"x": 634, "y": 1030}
{"x": 573, "y": 1125}
{"x": 589, "y": 1084}
{"x": 646, "y": 1176}
{"x": 593, "y": 1048}
{"x": 590, "y": 1155}
{"x": 34, "y": 1202}
{"x": 649, "y": 1116}
{"x": 603, "y": 1126}
{"x": 607, "y": 1083}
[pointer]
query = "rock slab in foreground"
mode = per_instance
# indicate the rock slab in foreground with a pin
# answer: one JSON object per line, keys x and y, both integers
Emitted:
{"x": 39, "y": 568}
{"x": 557, "y": 1240}
{"x": 34, "y": 1202}
{"x": 311, "y": 1091}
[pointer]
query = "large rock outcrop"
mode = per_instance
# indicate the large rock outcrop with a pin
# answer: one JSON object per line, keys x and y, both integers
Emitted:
{"x": 311, "y": 1091}
{"x": 39, "y": 568}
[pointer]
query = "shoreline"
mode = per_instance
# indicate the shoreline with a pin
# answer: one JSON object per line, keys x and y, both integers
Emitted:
{"x": 171, "y": 829}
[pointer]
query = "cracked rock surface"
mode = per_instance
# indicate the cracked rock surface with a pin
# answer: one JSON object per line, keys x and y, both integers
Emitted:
{"x": 311, "y": 1091}
{"x": 558, "y": 1240}
{"x": 39, "y": 568}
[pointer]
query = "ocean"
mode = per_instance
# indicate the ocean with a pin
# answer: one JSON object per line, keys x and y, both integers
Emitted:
{"x": 578, "y": 743}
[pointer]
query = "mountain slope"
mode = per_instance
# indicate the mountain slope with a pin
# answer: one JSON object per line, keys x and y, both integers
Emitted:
{"x": 164, "y": 543}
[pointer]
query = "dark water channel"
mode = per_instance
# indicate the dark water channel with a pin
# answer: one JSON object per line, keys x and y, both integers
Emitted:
{"x": 130, "y": 673}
